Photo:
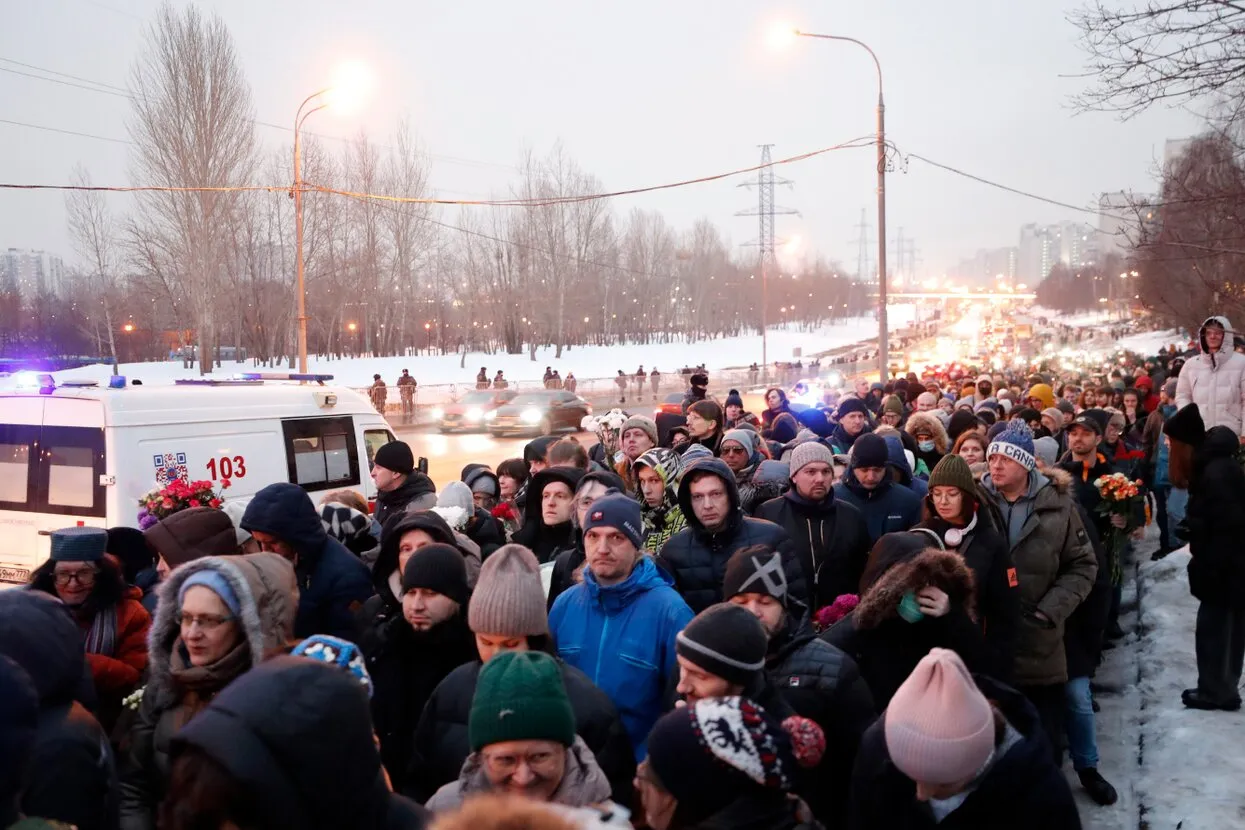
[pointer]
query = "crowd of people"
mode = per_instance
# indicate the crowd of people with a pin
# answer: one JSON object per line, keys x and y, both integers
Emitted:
{"x": 881, "y": 613}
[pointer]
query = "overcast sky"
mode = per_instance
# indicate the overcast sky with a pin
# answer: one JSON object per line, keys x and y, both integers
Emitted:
{"x": 641, "y": 92}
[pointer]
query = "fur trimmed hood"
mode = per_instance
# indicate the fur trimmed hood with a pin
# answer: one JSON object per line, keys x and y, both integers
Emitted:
{"x": 928, "y": 422}
{"x": 267, "y": 589}
{"x": 942, "y": 569}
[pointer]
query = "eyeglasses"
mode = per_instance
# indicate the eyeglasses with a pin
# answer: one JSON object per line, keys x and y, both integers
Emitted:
{"x": 734, "y": 451}
{"x": 541, "y": 763}
{"x": 63, "y": 578}
{"x": 206, "y": 622}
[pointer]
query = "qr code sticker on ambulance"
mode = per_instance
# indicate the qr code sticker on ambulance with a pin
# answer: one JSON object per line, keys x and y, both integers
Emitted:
{"x": 170, "y": 467}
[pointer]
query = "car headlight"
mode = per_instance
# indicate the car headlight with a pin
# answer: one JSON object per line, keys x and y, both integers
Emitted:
{"x": 438, "y": 413}
{"x": 475, "y": 414}
{"x": 491, "y": 415}
{"x": 531, "y": 416}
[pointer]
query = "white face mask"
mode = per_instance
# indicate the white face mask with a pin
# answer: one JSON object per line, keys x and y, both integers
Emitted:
{"x": 925, "y": 446}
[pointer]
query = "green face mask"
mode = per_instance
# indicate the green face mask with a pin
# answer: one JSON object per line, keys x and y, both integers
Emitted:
{"x": 910, "y": 609}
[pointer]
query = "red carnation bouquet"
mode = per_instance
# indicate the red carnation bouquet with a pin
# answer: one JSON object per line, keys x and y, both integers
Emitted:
{"x": 504, "y": 513}
{"x": 1121, "y": 496}
{"x": 162, "y": 502}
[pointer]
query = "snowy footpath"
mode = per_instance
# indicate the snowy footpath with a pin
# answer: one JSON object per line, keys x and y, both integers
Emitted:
{"x": 1175, "y": 768}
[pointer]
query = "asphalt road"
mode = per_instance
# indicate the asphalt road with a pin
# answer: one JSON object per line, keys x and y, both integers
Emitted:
{"x": 448, "y": 454}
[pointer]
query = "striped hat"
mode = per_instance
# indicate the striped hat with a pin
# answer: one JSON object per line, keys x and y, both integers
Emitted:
{"x": 1016, "y": 443}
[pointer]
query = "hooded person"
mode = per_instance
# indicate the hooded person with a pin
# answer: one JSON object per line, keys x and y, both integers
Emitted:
{"x": 741, "y": 450}
{"x": 902, "y": 460}
{"x": 914, "y": 596}
{"x": 869, "y": 485}
{"x": 407, "y": 654}
{"x": 657, "y": 476}
{"x": 289, "y": 744}
{"x": 829, "y": 536}
{"x": 507, "y": 613}
{"x": 109, "y": 612}
{"x": 1215, "y": 379}
{"x": 218, "y": 618}
{"x": 960, "y": 752}
{"x": 568, "y": 561}
{"x": 333, "y": 583}
{"x": 478, "y": 523}
{"x": 547, "y": 522}
{"x": 717, "y": 527}
{"x": 523, "y": 741}
{"x": 70, "y": 773}
{"x": 815, "y": 679}
{"x": 399, "y": 485}
{"x": 931, "y": 439}
{"x": 484, "y": 485}
{"x": 720, "y": 763}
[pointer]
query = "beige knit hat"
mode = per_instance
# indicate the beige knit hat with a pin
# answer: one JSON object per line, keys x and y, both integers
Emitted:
{"x": 509, "y": 599}
{"x": 939, "y": 726}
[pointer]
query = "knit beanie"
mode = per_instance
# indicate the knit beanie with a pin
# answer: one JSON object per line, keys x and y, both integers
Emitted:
{"x": 1169, "y": 388}
{"x": 617, "y": 511}
{"x": 396, "y": 456}
{"x": 810, "y": 452}
{"x": 337, "y": 652}
{"x": 438, "y": 567}
{"x": 217, "y": 584}
{"x": 869, "y": 451}
{"x": 1046, "y": 450}
{"x": 79, "y": 544}
{"x": 709, "y": 753}
{"x": 850, "y": 405}
{"x": 520, "y": 697}
{"x": 893, "y": 404}
{"x": 733, "y": 398}
{"x": 939, "y": 726}
{"x": 953, "y": 471}
{"x": 457, "y": 494}
{"x": 727, "y": 641}
{"x": 1065, "y": 407}
{"x": 1055, "y": 415}
{"x": 926, "y": 399}
{"x": 1186, "y": 426}
{"x": 962, "y": 420}
{"x": 746, "y": 438}
{"x": 640, "y": 422}
{"x": 1016, "y": 443}
{"x": 509, "y": 599}
{"x": 815, "y": 420}
{"x": 753, "y": 571}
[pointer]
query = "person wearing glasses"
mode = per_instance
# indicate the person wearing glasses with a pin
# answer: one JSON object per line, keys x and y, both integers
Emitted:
{"x": 110, "y": 613}
{"x": 217, "y": 618}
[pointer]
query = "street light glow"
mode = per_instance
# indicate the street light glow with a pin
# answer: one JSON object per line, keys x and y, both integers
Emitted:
{"x": 352, "y": 84}
{"x": 781, "y": 35}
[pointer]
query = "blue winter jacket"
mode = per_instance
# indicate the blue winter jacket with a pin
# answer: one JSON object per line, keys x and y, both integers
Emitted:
{"x": 899, "y": 462}
{"x": 890, "y": 508}
{"x": 332, "y": 582}
{"x": 622, "y": 637}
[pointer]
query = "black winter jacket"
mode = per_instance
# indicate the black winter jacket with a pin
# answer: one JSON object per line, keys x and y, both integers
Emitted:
{"x": 486, "y": 532}
{"x": 886, "y": 647}
{"x": 696, "y": 558}
{"x": 1085, "y": 627}
{"x": 396, "y": 501}
{"x": 1216, "y": 520}
{"x": 406, "y": 666}
{"x": 1022, "y": 790}
{"x": 830, "y": 538}
{"x": 822, "y": 683}
{"x": 71, "y": 774}
{"x": 565, "y": 561}
{"x": 535, "y": 535}
{"x": 441, "y": 745}
{"x": 297, "y": 737}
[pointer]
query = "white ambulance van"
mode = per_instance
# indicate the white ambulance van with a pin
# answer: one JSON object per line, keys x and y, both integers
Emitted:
{"x": 83, "y": 454}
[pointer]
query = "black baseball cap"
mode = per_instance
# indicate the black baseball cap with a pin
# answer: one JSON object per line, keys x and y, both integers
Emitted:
{"x": 1087, "y": 421}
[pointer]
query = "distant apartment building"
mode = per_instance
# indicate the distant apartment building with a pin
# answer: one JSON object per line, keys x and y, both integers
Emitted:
{"x": 32, "y": 272}
{"x": 984, "y": 269}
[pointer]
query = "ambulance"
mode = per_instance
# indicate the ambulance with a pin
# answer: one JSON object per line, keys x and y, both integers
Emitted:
{"x": 78, "y": 453}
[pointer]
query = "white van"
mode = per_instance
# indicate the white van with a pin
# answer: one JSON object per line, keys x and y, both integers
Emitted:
{"x": 82, "y": 454}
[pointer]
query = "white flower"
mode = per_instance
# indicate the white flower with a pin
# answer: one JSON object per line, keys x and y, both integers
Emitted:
{"x": 455, "y": 517}
{"x": 135, "y": 699}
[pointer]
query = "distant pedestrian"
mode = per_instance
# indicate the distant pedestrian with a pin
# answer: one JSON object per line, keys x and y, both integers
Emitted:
{"x": 621, "y": 380}
{"x": 482, "y": 378}
{"x": 570, "y": 383}
{"x": 640, "y": 377}
{"x": 406, "y": 388}
{"x": 379, "y": 393}
{"x": 654, "y": 379}
{"x": 499, "y": 381}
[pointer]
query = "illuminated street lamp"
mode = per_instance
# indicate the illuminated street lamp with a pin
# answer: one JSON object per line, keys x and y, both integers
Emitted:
{"x": 127, "y": 328}
{"x": 349, "y": 86}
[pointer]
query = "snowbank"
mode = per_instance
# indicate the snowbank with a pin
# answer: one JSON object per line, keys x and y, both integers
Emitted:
{"x": 1149, "y": 342}
{"x": 584, "y": 361}
{"x": 1192, "y": 763}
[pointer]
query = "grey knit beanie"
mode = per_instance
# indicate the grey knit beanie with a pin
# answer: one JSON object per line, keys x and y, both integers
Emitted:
{"x": 509, "y": 599}
{"x": 809, "y": 452}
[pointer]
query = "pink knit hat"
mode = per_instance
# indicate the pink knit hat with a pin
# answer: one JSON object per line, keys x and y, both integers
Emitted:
{"x": 939, "y": 726}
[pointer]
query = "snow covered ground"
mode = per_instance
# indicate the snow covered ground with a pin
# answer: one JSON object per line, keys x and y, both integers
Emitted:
{"x": 1149, "y": 342}
{"x": 584, "y": 361}
{"x": 1174, "y": 767}
{"x": 1080, "y": 319}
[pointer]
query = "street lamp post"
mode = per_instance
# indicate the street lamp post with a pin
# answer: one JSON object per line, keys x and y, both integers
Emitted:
{"x": 883, "y": 329}
{"x": 299, "y": 118}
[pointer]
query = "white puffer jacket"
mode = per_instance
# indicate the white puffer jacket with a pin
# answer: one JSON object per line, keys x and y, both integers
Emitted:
{"x": 1215, "y": 382}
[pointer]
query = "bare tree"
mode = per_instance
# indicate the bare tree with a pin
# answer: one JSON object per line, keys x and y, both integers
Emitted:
{"x": 94, "y": 236}
{"x": 1175, "y": 51}
{"x": 192, "y": 124}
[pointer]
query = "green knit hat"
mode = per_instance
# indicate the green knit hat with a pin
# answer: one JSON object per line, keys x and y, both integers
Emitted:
{"x": 520, "y": 697}
{"x": 893, "y": 404}
{"x": 953, "y": 471}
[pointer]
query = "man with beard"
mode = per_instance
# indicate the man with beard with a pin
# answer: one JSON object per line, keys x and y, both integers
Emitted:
{"x": 814, "y": 678}
{"x": 409, "y": 653}
{"x": 398, "y": 483}
{"x": 829, "y": 535}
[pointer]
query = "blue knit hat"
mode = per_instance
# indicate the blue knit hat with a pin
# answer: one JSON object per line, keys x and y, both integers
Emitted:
{"x": 79, "y": 544}
{"x": 336, "y": 652}
{"x": 1016, "y": 443}
{"x": 619, "y": 512}
{"x": 217, "y": 584}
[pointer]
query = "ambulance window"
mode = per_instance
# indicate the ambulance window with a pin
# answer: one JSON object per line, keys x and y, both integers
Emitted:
{"x": 337, "y": 457}
{"x": 71, "y": 476}
{"x": 321, "y": 453}
{"x": 374, "y": 439}
{"x": 14, "y": 472}
{"x": 71, "y": 463}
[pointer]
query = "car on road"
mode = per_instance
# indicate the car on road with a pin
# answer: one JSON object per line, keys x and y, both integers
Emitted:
{"x": 468, "y": 413}
{"x": 671, "y": 404}
{"x": 538, "y": 412}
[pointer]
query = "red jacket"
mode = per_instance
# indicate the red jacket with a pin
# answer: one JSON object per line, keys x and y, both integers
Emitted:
{"x": 120, "y": 674}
